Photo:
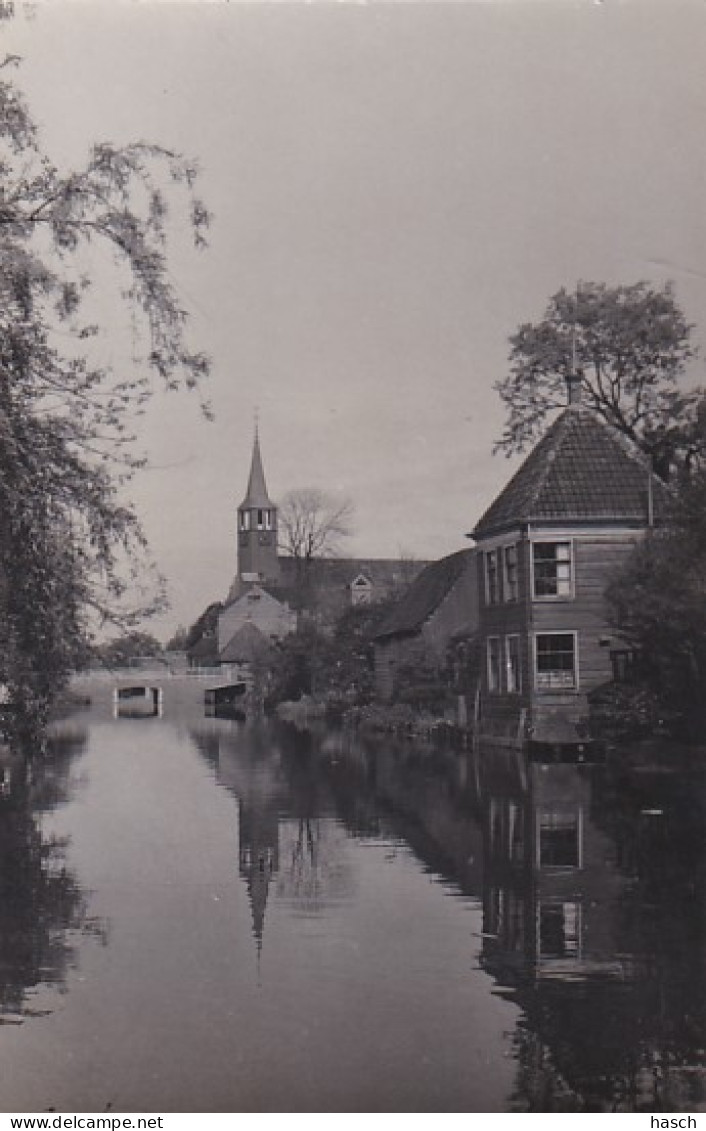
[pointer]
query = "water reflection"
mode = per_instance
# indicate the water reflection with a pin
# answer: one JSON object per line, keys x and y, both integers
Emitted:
{"x": 591, "y": 882}
{"x": 288, "y": 836}
{"x": 41, "y": 902}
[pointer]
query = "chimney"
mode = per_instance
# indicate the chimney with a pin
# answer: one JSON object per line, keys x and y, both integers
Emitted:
{"x": 573, "y": 387}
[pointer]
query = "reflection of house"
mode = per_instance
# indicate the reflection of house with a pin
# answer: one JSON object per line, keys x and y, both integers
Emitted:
{"x": 589, "y": 927}
{"x": 441, "y": 601}
{"x": 548, "y": 547}
{"x": 549, "y": 888}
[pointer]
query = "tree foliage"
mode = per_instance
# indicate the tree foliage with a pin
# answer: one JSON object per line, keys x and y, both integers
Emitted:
{"x": 134, "y": 645}
{"x": 659, "y": 605}
{"x": 630, "y": 346}
{"x": 69, "y": 544}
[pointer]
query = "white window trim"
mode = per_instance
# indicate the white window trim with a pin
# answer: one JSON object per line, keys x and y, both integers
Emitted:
{"x": 497, "y": 552}
{"x": 553, "y": 541}
{"x": 506, "y": 587}
{"x": 494, "y": 690}
{"x": 545, "y": 959}
{"x": 577, "y": 674}
{"x": 506, "y": 656}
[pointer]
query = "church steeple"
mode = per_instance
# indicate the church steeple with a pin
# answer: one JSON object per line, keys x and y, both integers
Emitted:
{"x": 256, "y": 495}
{"x": 257, "y": 525}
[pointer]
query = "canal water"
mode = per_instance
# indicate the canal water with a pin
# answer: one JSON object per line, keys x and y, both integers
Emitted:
{"x": 207, "y": 915}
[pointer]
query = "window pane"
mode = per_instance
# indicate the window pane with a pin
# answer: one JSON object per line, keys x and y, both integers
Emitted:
{"x": 559, "y": 839}
{"x": 555, "y": 661}
{"x": 559, "y": 929}
{"x": 494, "y": 663}
{"x": 552, "y": 569}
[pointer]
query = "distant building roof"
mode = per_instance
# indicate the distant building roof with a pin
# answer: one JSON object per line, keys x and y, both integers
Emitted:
{"x": 204, "y": 650}
{"x": 256, "y": 494}
{"x": 425, "y": 595}
{"x": 581, "y": 470}
{"x": 333, "y": 576}
{"x": 245, "y": 645}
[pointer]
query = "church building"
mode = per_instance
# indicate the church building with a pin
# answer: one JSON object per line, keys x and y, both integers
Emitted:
{"x": 267, "y": 598}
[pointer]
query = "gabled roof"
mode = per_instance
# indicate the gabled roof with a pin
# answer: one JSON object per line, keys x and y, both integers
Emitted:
{"x": 581, "y": 470}
{"x": 425, "y": 595}
{"x": 245, "y": 645}
{"x": 204, "y": 649}
{"x": 256, "y": 494}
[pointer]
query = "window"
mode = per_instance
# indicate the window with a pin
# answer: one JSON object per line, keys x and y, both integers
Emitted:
{"x": 552, "y": 569}
{"x": 513, "y": 671}
{"x": 268, "y": 520}
{"x": 559, "y": 930}
{"x": 510, "y": 572}
{"x": 555, "y": 661}
{"x": 559, "y": 843}
{"x": 245, "y": 520}
{"x": 260, "y": 520}
{"x": 492, "y": 578}
{"x": 493, "y": 644}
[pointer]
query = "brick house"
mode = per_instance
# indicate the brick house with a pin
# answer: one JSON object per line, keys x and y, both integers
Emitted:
{"x": 548, "y": 546}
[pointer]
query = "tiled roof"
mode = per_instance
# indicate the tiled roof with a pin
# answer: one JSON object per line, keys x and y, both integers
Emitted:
{"x": 245, "y": 645}
{"x": 204, "y": 649}
{"x": 425, "y": 595}
{"x": 334, "y": 576}
{"x": 581, "y": 470}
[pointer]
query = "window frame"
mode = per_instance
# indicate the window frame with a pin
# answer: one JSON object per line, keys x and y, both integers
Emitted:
{"x": 573, "y": 633}
{"x": 546, "y": 818}
{"x": 554, "y": 541}
{"x": 494, "y": 556}
{"x": 517, "y": 690}
{"x": 510, "y": 597}
{"x": 497, "y": 640}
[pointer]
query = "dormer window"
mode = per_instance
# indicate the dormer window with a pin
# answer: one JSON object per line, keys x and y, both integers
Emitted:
{"x": 361, "y": 590}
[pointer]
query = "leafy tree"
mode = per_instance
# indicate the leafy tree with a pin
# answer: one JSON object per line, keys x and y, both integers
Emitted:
{"x": 630, "y": 346}
{"x": 71, "y": 550}
{"x": 658, "y": 605}
{"x": 177, "y": 642}
{"x": 205, "y": 625}
{"x": 132, "y": 646}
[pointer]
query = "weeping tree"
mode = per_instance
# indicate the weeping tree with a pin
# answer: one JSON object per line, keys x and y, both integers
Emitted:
{"x": 72, "y": 553}
{"x": 631, "y": 346}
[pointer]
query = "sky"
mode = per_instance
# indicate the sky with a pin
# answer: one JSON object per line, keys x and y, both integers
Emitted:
{"x": 395, "y": 188}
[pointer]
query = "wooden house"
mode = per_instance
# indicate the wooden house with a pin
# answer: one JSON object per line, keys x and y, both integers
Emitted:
{"x": 419, "y": 628}
{"x": 548, "y": 546}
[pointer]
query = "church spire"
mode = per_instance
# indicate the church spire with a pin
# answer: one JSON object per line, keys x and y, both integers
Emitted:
{"x": 257, "y": 525}
{"x": 256, "y": 495}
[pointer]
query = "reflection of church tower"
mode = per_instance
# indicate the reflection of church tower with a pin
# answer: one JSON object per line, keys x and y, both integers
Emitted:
{"x": 257, "y": 526}
{"x": 259, "y": 857}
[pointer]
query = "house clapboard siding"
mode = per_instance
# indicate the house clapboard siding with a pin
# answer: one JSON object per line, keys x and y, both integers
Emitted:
{"x": 548, "y": 548}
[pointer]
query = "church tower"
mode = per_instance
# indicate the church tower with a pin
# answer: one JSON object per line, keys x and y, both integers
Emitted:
{"x": 257, "y": 526}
